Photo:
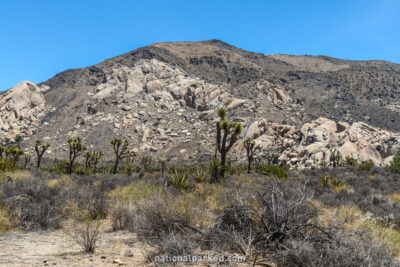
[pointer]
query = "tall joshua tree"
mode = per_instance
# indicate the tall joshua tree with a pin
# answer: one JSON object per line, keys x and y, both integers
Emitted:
{"x": 75, "y": 150}
{"x": 250, "y": 147}
{"x": 227, "y": 135}
{"x": 121, "y": 151}
{"x": 40, "y": 148}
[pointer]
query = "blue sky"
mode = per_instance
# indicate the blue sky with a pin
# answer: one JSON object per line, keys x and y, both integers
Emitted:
{"x": 41, "y": 38}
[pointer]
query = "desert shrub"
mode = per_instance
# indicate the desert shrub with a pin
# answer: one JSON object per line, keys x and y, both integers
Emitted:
{"x": 272, "y": 170}
{"x": 32, "y": 204}
{"x": 333, "y": 182}
{"x": 5, "y": 221}
{"x": 280, "y": 211}
{"x": 6, "y": 165}
{"x": 85, "y": 233}
{"x": 339, "y": 251}
{"x": 366, "y": 165}
{"x": 176, "y": 244}
{"x": 92, "y": 200}
{"x": 351, "y": 161}
{"x": 122, "y": 217}
{"x": 158, "y": 219}
{"x": 394, "y": 165}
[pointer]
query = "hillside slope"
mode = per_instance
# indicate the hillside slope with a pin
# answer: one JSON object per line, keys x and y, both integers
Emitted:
{"x": 163, "y": 98}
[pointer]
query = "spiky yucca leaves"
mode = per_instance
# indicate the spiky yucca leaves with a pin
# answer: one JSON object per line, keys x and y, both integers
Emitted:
{"x": 92, "y": 158}
{"x": 163, "y": 163}
{"x": 227, "y": 135}
{"x": 200, "y": 174}
{"x": 121, "y": 151}
{"x": 75, "y": 150}
{"x": 40, "y": 149}
{"x": 180, "y": 180}
{"x": 27, "y": 160}
{"x": 215, "y": 168}
{"x": 250, "y": 147}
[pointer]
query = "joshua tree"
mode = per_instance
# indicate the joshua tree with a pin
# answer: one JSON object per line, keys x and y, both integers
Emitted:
{"x": 250, "y": 149}
{"x": 335, "y": 158}
{"x": 145, "y": 162}
{"x": 75, "y": 150}
{"x": 121, "y": 151}
{"x": 27, "y": 160}
{"x": 14, "y": 153}
{"x": 40, "y": 148}
{"x": 92, "y": 158}
{"x": 226, "y": 129}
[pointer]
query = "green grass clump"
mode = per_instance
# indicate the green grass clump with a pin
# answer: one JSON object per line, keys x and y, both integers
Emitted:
{"x": 394, "y": 166}
{"x": 366, "y": 165}
{"x": 272, "y": 170}
{"x": 137, "y": 191}
{"x": 334, "y": 182}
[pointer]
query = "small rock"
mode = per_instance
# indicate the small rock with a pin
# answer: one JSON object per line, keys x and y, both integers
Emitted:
{"x": 118, "y": 261}
{"x": 103, "y": 257}
{"x": 128, "y": 253}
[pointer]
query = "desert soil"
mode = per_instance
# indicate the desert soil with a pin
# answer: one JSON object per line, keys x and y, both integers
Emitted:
{"x": 54, "y": 248}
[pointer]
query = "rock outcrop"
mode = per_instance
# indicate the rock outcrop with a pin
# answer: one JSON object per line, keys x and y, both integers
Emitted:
{"x": 21, "y": 109}
{"x": 315, "y": 141}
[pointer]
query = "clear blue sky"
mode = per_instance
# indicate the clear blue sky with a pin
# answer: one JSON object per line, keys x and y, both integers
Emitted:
{"x": 43, "y": 37}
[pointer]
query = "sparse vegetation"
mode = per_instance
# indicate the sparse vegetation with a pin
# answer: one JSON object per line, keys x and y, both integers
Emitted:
{"x": 394, "y": 165}
{"x": 275, "y": 215}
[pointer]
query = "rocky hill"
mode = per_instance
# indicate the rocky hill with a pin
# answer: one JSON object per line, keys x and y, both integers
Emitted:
{"x": 163, "y": 98}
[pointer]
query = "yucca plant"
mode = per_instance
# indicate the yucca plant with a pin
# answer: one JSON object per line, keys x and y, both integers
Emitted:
{"x": 200, "y": 174}
{"x": 179, "y": 180}
{"x": 214, "y": 168}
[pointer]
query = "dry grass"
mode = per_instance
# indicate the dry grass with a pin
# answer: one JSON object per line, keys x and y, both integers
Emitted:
{"x": 15, "y": 175}
{"x": 351, "y": 219}
{"x": 137, "y": 191}
{"x": 394, "y": 196}
{"x": 5, "y": 222}
{"x": 63, "y": 181}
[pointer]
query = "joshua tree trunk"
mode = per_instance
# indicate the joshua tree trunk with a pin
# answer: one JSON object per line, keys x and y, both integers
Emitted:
{"x": 116, "y": 165}
{"x": 249, "y": 165}
{"x": 223, "y": 161}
